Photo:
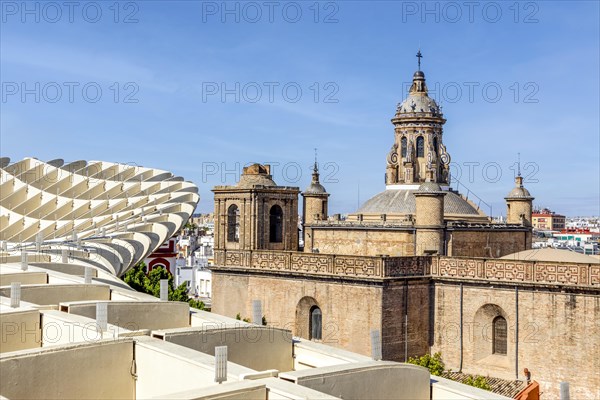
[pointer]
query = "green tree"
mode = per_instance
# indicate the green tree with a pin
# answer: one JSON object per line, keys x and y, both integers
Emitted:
{"x": 154, "y": 278}
{"x": 434, "y": 363}
{"x": 180, "y": 293}
{"x": 137, "y": 278}
{"x": 189, "y": 227}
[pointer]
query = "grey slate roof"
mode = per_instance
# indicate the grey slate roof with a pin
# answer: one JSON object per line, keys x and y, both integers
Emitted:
{"x": 315, "y": 188}
{"x": 395, "y": 201}
{"x": 519, "y": 193}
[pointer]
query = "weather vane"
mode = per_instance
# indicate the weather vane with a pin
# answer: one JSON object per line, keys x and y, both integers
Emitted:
{"x": 419, "y": 56}
{"x": 518, "y": 164}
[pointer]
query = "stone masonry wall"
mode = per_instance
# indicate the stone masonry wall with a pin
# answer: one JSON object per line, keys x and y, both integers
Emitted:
{"x": 417, "y": 321}
{"x": 313, "y": 209}
{"x": 429, "y": 210}
{"x": 350, "y": 311}
{"x": 559, "y": 335}
{"x": 430, "y": 240}
{"x": 362, "y": 242}
{"x": 485, "y": 244}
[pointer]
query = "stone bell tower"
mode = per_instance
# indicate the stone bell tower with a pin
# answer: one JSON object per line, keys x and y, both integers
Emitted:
{"x": 418, "y": 146}
{"x": 256, "y": 214}
{"x": 519, "y": 204}
{"x": 315, "y": 199}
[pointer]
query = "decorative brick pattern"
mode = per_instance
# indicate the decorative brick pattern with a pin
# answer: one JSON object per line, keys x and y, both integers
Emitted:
{"x": 561, "y": 273}
{"x": 406, "y": 266}
{"x": 464, "y": 268}
{"x": 506, "y": 271}
{"x": 595, "y": 275}
{"x": 383, "y": 267}
{"x": 270, "y": 260}
{"x": 311, "y": 263}
{"x": 357, "y": 266}
{"x": 325, "y": 264}
{"x": 233, "y": 258}
{"x": 517, "y": 271}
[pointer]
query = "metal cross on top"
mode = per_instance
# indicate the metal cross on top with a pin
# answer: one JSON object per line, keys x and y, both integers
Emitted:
{"x": 419, "y": 56}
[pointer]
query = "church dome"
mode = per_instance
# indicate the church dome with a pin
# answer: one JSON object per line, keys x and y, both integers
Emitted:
{"x": 401, "y": 202}
{"x": 418, "y": 101}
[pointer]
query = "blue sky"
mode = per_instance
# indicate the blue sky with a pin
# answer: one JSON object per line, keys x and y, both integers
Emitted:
{"x": 203, "y": 88}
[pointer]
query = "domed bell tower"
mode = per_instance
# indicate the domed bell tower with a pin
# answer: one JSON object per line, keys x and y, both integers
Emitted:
{"x": 418, "y": 146}
{"x": 519, "y": 204}
{"x": 315, "y": 199}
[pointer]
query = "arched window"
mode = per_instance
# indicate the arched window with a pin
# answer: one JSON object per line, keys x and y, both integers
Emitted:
{"x": 233, "y": 223}
{"x": 500, "y": 335}
{"x": 315, "y": 323}
{"x": 403, "y": 147}
{"x": 276, "y": 224}
{"x": 435, "y": 145}
{"x": 420, "y": 147}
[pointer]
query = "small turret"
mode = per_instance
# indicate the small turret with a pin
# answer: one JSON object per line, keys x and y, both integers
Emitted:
{"x": 519, "y": 204}
{"x": 315, "y": 199}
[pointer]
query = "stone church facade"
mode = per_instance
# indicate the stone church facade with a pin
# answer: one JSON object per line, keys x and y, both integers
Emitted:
{"x": 418, "y": 262}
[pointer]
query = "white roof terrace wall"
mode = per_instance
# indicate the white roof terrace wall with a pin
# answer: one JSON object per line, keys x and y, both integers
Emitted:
{"x": 373, "y": 380}
{"x": 57, "y": 293}
{"x": 20, "y": 329}
{"x": 136, "y": 315}
{"x": 100, "y": 370}
{"x": 256, "y": 347}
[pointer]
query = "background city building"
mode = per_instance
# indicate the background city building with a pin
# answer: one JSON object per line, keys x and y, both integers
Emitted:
{"x": 548, "y": 220}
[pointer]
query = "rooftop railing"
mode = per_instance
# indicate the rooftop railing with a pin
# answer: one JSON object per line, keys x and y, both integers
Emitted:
{"x": 381, "y": 266}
